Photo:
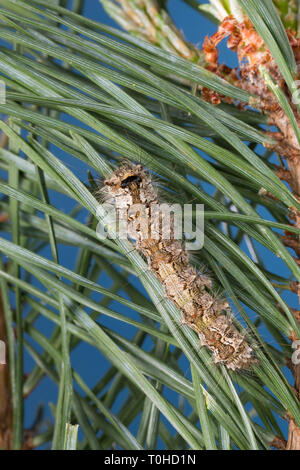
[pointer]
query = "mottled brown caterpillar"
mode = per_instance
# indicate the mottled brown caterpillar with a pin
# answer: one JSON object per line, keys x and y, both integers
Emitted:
{"x": 189, "y": 290}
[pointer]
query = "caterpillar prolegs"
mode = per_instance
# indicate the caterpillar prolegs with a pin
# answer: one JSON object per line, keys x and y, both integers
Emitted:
{"x": 167, "y": 258}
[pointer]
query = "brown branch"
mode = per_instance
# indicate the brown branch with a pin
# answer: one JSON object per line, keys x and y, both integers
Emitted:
{"x": 293, "y": 243}
{"x": 278, "y": 443}
{"x": 6, "y": 407}
{"x": 284, "y": 174}
{"x": 6, "y": 400}
{"x": 294, "y": 436}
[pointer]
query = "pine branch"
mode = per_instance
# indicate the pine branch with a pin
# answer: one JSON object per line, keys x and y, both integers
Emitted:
{"x": 102, "y": 96}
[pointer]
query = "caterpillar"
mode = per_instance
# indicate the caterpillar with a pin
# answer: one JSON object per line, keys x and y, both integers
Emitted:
{"x": 168, "y": 259}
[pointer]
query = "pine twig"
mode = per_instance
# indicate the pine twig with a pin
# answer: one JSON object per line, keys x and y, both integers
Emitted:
{"x": 6, "y": 406}
{"x": 145, "y": 19}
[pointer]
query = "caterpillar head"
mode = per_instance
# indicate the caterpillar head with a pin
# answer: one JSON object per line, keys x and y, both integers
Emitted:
{"x": 130, "y": 184}
{"x": 126, "y": 178}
